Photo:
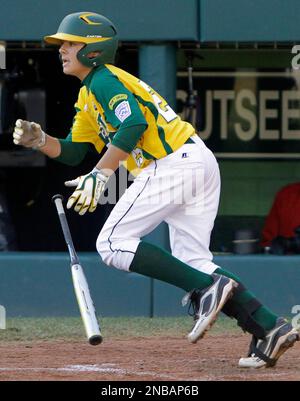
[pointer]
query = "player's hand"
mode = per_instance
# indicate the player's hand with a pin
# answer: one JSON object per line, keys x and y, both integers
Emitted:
{"x": 29, "y": 134}
{"x": 89, "y": 188}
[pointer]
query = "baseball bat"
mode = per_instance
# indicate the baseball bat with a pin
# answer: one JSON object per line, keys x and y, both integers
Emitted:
{"x": 86, "y": 305}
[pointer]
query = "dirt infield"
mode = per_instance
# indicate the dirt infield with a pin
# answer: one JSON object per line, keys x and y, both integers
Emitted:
{"x": 151, "y": 359}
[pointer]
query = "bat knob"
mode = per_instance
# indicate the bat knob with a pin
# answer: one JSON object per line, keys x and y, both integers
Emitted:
{"x": 95, "y": 340}
{"x": 57, "y": 196}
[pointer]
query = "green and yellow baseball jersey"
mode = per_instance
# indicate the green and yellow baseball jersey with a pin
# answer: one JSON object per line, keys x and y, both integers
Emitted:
{"x": 110, "y": 101}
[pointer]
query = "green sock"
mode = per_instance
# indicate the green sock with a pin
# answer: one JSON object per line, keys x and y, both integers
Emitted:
{"x": 263, "y": 316}
{"x": 153, "y": 261}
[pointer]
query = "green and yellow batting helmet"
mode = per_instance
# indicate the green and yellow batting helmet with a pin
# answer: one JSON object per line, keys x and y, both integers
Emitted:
{"x": 96, "y": 31}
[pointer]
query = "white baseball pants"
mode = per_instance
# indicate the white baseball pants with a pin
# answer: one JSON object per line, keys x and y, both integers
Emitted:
{"x": 181, "y": 189}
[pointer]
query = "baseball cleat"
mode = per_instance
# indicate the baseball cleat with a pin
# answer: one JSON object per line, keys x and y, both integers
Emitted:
{"x": 207, "y": 304}
{"x": 267, "y": 351}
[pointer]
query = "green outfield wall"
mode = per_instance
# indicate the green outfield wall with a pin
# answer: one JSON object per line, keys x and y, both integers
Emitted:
{"x": 135, "y": 19}
{"x": 39, "y": 284}
{"x": 141, "y": 20}
{"x": 249, "y": 21}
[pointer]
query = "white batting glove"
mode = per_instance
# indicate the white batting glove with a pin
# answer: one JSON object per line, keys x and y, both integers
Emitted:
{"x": 88, "y": 191}
{"x": 29, "y": 134}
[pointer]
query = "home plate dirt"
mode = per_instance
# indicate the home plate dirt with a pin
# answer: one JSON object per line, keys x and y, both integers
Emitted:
{"x": 151, "y": 359}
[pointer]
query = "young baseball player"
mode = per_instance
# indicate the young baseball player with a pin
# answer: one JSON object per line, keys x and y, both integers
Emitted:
{"x": 178, "y": 182}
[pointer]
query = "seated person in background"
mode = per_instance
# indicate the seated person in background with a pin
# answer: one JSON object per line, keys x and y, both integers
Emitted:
{"x": 280, "y": 229}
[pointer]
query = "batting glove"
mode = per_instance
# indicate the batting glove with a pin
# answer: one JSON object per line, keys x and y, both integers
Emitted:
{"x": 29, "y": 134}
{"x": 88, "y": 191}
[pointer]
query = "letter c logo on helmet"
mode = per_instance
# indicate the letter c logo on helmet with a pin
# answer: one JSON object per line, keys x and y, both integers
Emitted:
{"x": 97, "y": 32}
{"x": 88, "y": 21}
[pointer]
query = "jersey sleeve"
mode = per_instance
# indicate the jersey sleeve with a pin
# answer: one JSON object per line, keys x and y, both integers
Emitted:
{"x": 82, "y": 129}
{"x": 119, "y": 104}
{"x": 126, "y": 138}
{"x": 72, "y": 153}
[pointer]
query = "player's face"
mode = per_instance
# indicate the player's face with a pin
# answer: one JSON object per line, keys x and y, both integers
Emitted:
{"x": 71, "y": 65}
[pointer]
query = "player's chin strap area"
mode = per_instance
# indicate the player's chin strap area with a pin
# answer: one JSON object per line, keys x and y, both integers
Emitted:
{"x": 243, "y": 313}
{"x": 254, "y": 351}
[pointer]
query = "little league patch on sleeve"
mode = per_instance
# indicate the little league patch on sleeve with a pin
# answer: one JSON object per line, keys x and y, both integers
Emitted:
{"x": 116, "y": 99}
{"x": 123, "y": 111}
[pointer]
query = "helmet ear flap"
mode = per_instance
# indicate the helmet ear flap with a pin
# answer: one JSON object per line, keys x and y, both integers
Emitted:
{"x": 82, "y": 57}
{"x": 107, "y": 52}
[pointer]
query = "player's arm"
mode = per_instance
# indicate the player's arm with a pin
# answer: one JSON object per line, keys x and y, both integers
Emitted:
{"x": 111, "y": 160}
{"x": 72, "y": 149}
{"x": 91, "y": 186}
{"x": 31, "y": 135}
{"x": 123, "y": 143}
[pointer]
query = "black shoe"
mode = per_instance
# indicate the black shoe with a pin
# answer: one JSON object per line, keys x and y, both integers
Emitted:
{"x": 208, "y": 303}
{"x": 266, "y": 352}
